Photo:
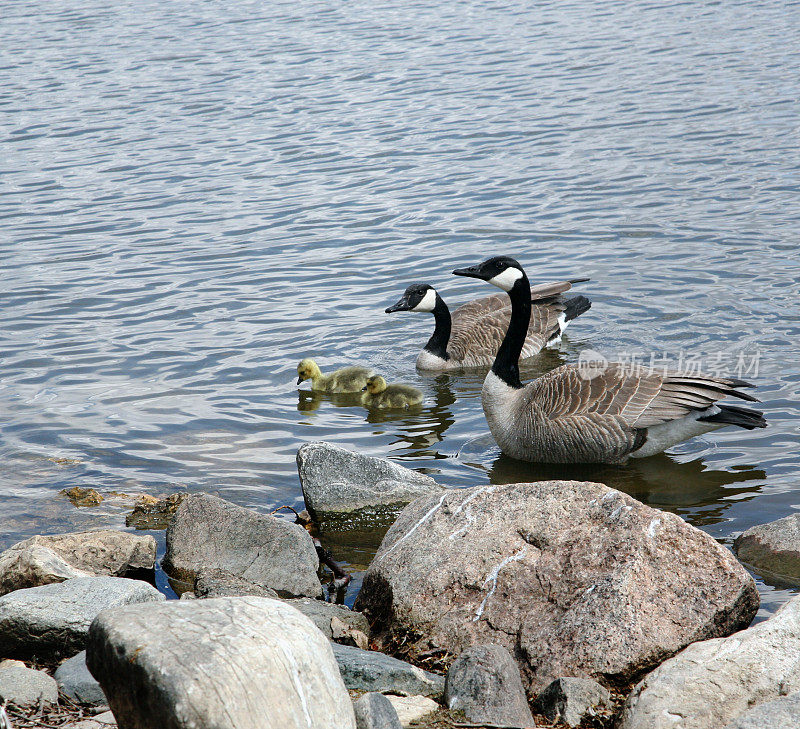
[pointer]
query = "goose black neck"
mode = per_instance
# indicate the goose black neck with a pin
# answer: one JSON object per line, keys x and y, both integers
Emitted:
{"x": 506, "y": 363}
{"x": 438, "y": 342}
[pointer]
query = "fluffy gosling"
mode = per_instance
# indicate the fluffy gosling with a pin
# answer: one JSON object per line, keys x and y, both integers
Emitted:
{"x": 346, "y": 379}
{"x": 377, "y": 394}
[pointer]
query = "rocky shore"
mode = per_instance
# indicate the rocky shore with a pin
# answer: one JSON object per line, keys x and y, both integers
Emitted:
{"x": 555, "y": 603}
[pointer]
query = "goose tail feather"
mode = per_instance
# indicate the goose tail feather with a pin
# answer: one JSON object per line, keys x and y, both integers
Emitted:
{"x": 746, "y": 418}
{"x": 575, "y": 306}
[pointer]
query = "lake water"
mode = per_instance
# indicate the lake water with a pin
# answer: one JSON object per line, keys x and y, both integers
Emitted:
{"x": 196, "y": 195}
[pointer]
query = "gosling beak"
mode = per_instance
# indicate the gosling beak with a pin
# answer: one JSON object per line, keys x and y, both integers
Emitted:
{"x": 364, "y": 389}
{"x": 299, "y": 380}
{"x": 402, "y": 305}
{"x": 471, "y": 272}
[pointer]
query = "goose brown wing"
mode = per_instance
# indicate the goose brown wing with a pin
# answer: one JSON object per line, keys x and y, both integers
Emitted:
{"x": 640, "y": 396}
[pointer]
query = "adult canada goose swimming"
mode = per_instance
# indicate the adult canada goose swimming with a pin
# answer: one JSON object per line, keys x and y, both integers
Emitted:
{"x": 377, "y": 394}
{"x": 471, "y": 335}
{"x": 347, "y": 379}
{"x": 578, "y": 415}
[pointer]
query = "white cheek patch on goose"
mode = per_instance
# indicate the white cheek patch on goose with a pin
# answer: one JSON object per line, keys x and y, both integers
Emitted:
{"x": 506, "y": 279}
{"x": 428, "y": 301}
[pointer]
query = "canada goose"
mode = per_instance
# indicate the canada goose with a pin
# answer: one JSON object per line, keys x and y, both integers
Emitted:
{"x": 377, "y": 394}
{"x": 573, "y": 415}
{"x": 347, "y": 379}
{"x": 471, "y": 336}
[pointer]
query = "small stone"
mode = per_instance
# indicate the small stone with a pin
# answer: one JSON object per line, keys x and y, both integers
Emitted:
{"x": 344, "y": 634}
{"x": 782, "y": 713}
{"x": 485, "y": 684}
{"x": 188, "y": 596}
{"x": 105, "y": 719}
{"x": 322, "y": 614}
{"x": 571, "y": 700}
{"x": 42, "y": 560}
{"x": 52, "y": 621}
{"x": 25, "y": 686}
{"x": 337, "y": 481}
{"x": 75, "y": 681}
{"x": 774, "y": 547}
{"x": 219, "y": 583}
{"x": 233, "y": 662}
{"x": 208, "y": 532}
{"x": 375, "y": 711}
{"x": 412, "y": 708}
{"x": 372, "y": 671}
{"x": 82, "y": 496}
{"x": 152, "y": 513}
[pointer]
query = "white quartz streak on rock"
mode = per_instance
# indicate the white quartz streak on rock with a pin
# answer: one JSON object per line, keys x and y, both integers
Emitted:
{"x": 494, "y": 574}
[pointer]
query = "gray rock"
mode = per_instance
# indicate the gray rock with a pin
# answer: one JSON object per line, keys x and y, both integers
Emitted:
{"x": 412, "y": 708}
{"x": 208, "y": 532}
{"x": 222, "y": 663}
{"x": 375, "y": 711}
{"x": 105, "y": 720}
{"x": 782, "y": 713}
{"x": 321, "y": 613}
{"x": 710, "y": 683}
{"x": 219, "y": 583}
{"x": 571, "y": 700}
{"x": 75, "y": 681}
{"x": 42, "y": 560}
{"x": 52, "y": 621}
{"x": 573, "y": 578}
{"x": 24, "y": 686}
{"x": 774, "y": 546}
{"x": 373, "y": 671}
{"x": 484, "y": 683}
{"x": 336, "y": 481}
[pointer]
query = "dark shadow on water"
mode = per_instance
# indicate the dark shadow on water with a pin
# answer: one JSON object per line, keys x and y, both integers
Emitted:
{"x": 690, "y": 489}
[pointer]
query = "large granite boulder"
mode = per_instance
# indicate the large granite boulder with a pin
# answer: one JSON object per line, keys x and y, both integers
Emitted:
{"x": 222, "y": 663}
{"x": 709, "y": 684}
{"x": 774, "y": 547}
{"x": 372, "y": 671}
{"x": 573, "y": 578}
{"x": 42, "y": 560}
{"x": 208, "y": 532}
{"x": 484, "y": 683}
{"x": 338, "y": 481}
{"x": 52, "y": 621}
{"x": 782, "y": 713}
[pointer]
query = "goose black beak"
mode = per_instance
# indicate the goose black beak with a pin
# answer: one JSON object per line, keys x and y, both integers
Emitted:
{"x": 364, "y": 389}
{"x": 299, "y": 380}
{"x": 471, "y": 272}
{"x": 402, "y": 305}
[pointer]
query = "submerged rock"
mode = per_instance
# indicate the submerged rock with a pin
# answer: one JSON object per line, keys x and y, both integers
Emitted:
{"x": 150, "y": 512}
{"x": 573, "y": 578}
{"x": 52, "y": 621}
{"x": 25, "y": 686}
{"x": 484, "y": 683}
{"x": 571, "y": 700}
{"x": 372, "y": 671}
{"x": 709, "y": 684}
{"x": 208, "y": 532}
{"x": 223, "y": 663}
{"x": 375, "y": 711}
{"x": 774, "y": 547}
{"x": 42, "y": 560}
{"x": 82, "y": 496}
{"x": 75, "y": 680}
{"x": 336, "y": 481}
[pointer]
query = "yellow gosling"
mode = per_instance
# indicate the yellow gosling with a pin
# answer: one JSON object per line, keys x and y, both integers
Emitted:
{"x": 377, "y": 394}
{"x": 346, "y": 379}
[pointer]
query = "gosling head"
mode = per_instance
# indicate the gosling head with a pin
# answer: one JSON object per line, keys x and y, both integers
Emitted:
{"x": 307, "y": 370}
{"x": 500, "y": 271}
{"x": 417, "y": 297}
{"x": 375, "y": 384}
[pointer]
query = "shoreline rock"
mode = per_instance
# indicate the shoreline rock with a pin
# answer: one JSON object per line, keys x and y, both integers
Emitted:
{"x": 338, "y": 481}
{"x": 209, "y": 532}
{"x": 773, "y": 547}
{"x": 45, "y": 559}
{"x": 573, "y": 578}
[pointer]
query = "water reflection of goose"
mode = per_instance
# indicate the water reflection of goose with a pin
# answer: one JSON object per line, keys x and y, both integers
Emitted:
{"x": 471, "y": 335}
{"x": 604, "y": 415}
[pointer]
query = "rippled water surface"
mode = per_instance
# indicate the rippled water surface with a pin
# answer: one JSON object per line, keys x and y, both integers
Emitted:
{"x": 196, "y": 195}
